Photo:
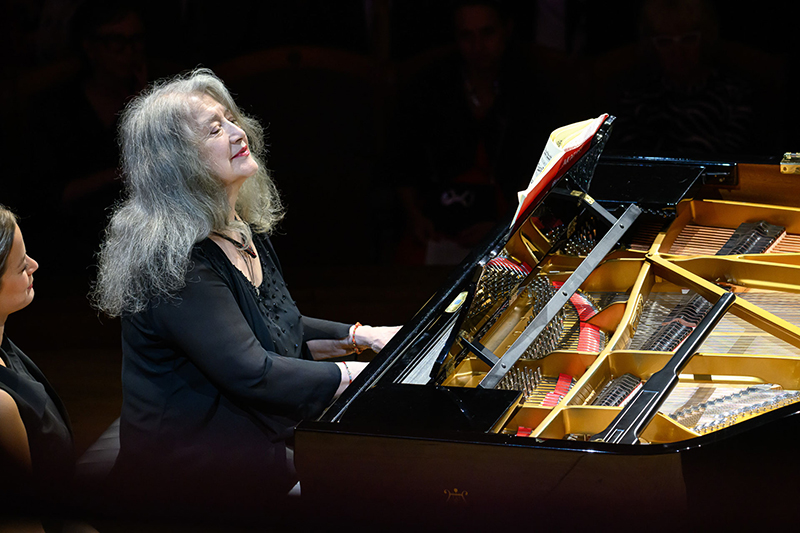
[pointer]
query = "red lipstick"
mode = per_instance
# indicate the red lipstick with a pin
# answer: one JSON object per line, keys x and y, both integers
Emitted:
{"x": 242, "y": 153}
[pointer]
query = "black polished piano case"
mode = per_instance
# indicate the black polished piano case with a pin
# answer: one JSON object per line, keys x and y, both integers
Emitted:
{"x": 623, "y": 355}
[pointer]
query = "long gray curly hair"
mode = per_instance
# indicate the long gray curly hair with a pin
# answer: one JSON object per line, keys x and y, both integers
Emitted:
{"x": 172, "y": 200}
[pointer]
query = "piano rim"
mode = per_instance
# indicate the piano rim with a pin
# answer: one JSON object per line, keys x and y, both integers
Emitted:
{"x": 499, "y": 439}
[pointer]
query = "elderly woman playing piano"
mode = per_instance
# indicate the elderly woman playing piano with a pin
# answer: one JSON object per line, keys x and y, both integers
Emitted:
{"x": 218, "y": 363}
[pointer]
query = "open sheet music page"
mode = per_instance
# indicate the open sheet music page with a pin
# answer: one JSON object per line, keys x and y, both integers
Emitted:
{"x": 563, "y": 146}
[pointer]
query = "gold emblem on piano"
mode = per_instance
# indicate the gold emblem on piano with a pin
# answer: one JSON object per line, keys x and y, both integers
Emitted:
{"x": 790, "y": 164}
{"x": 455, "y": 497}
{"x": 455, "y": 305}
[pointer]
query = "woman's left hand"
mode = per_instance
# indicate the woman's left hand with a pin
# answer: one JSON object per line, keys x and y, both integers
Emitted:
{"x": 366, "y": 338}
{"x": 374, "y": 338}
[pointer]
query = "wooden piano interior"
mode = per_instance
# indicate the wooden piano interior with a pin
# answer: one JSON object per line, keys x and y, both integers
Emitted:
{"x": 604, "y": 344}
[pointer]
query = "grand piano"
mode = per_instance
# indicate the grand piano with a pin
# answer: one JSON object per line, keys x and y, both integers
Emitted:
{"x": 623, "y": 354}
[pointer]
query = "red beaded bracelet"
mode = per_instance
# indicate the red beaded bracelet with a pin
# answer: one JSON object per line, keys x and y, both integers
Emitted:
{"x": 355, "y": 346}
{"x": 349, "y": 374}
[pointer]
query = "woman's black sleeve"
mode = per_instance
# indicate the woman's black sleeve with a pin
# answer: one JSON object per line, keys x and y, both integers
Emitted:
{"x": 315, "y": 328}
{"x": 207, "y": 325}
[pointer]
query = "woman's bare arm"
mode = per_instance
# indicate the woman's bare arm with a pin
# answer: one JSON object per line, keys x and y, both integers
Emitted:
{"x": 14, "y": 451}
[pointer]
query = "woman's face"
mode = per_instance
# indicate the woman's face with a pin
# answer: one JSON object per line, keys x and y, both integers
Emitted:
{"x": 16, "y": 285}
{"x": 223, "y": 143}
{"x": 481, "y": 36}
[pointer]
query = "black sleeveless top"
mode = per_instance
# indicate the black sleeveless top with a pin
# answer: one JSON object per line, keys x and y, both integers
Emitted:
{"x": 45, "y": 418}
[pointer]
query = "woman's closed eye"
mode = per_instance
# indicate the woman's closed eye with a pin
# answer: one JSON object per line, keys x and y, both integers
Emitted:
{"x": 217, "y": 128}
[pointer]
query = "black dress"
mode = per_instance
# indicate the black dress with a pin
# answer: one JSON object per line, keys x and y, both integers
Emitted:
{"x": 47, "y": 426}
{"x": 214, "y": 381}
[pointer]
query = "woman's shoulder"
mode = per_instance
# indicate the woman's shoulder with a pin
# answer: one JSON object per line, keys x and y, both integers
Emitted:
{"x": 206, "y": 264}
{"x": 9, "y": 413}
{"x": 8, "y": 407}
{"x": 207, "y": 255}
{"x": 204, "y": 249}
{"x": 208, "y": 261}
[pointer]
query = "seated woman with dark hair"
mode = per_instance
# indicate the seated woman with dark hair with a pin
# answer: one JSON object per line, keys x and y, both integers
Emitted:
{"x": 36, "y": 448}
{"x": 218, "y": 363}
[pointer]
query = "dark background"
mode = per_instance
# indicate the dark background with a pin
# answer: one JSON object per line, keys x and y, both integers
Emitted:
{"x": 323, "y": 76}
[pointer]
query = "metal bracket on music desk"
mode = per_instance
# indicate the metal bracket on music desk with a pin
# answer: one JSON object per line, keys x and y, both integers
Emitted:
{"x": 590, "y": 202}
{"x": 573, "y": 283}
{"x": 481, "y": 351}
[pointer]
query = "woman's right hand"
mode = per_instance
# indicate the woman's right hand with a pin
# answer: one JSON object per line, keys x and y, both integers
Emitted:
{"x": 350, "y": 371}
{"x": 372, "y": 337}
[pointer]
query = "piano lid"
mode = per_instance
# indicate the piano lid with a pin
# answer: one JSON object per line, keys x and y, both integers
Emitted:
{"x": 552, "y": 307}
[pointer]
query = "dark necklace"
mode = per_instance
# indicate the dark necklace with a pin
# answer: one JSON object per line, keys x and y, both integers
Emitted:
{"x": 249, "y": 250}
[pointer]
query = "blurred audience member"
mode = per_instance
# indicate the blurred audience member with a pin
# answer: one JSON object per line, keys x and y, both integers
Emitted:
{"x": 77, "y": 181}
{"x": 561, "y": 25}
{"x": 682, "y": 98}
{"x": 466, "y": 129}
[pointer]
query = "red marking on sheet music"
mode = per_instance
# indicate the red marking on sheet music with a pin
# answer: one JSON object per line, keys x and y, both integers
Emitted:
{"x": 564, "y": 146}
